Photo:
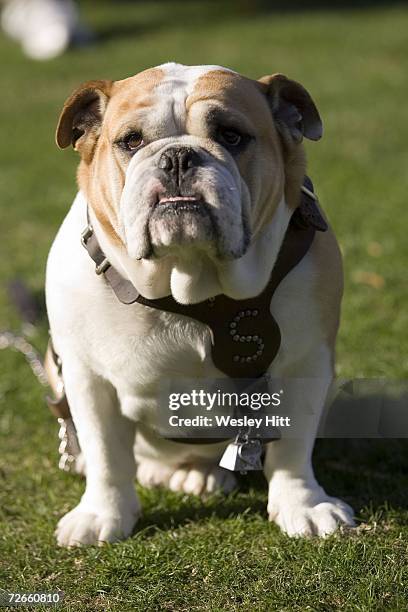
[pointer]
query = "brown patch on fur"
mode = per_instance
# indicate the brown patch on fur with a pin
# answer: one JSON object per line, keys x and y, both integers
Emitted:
{"x": 328, "y": 283}
{"x": 82, "y": 115}
{"x": 101, "y": 173}
{"x": 280, "y": 167}
{"x": 295, "y": 170}
{"x": 294, "y": 160}
{"x": 95, "y": 186}
{"x": 284, "y": 94}
{"x": 133, "y": 93}
{"x": 245, "y": 96}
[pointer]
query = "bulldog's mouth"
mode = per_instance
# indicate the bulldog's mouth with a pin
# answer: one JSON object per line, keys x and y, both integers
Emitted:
{"x": 178, "y": 199}
{"x": 176, "y": 205}
{"x": 177, "y": 221}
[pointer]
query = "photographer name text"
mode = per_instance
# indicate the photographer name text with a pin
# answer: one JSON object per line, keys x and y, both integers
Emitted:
{"x": 229, "y": 421}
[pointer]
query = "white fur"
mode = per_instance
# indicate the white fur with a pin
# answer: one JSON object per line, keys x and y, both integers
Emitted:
{"x": 114, "y": 356}
{"x": 181, "y": 79}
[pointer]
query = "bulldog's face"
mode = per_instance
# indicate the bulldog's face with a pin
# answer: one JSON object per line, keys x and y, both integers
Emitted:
{"x": 179, "y": 159}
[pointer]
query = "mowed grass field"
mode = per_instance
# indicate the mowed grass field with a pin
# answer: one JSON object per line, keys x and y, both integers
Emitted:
{"x": 221, "y": 554}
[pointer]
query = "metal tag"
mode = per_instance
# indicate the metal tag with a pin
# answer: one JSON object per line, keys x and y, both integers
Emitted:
{"x": 243, "y": 455}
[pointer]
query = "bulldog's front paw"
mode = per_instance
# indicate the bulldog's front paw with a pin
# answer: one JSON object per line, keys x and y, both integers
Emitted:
{"x": 302, "y": 509}
{"x": 82, "y": 526}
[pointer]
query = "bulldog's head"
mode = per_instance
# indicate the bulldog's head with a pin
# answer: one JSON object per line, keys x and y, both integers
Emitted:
{"x": 183, "y": 163}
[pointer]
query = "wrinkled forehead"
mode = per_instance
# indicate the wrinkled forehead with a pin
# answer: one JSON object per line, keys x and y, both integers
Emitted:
{"x": 173, "y": 94}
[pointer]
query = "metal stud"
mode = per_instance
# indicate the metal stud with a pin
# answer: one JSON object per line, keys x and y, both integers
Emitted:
{"x": 248, "y": 338}
{"x": 236, "y": 357}
{"x": 236, "y": 338}
{"x": 233, "y": 324}
{"x": 255, "y": 313}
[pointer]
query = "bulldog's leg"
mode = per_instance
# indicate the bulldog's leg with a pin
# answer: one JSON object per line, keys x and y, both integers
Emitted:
{"x": 296, "y": 502}
{"x": 109, "y": 507}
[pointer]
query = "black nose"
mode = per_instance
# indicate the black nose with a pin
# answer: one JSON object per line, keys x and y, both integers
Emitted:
{"x": 178, "y": 161}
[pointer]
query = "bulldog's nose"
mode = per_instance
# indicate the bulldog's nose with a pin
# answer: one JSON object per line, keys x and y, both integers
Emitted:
{"x": 177, "y": 161}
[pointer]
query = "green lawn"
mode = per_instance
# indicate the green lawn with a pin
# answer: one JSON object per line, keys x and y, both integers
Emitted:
{"x": 221, "y": 554}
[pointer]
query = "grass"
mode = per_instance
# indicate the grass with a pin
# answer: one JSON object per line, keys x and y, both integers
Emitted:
{"x": 221, "y": 554}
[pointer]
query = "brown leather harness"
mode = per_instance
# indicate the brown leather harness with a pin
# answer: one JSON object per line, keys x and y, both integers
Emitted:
{"x": 246, "y": 337}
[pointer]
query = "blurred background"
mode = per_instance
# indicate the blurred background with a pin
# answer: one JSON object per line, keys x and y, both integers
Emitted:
{"x": 353, "y": 58}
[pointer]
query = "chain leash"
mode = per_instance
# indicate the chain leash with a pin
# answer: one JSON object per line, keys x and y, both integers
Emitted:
{"x": 32, "y": 356}
{"x": 68, "y": 448}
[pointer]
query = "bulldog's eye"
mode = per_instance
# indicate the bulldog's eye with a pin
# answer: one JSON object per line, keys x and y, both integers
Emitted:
{"x": 229, "y": 137}
{"x": 132, "y": 141}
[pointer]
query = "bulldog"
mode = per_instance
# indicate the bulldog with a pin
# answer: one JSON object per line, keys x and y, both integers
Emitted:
{"x": 189, "y": 177}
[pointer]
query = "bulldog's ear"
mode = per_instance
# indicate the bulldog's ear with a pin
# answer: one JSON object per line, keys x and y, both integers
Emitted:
{"x": 293, "y": 109}
{"x": 82, "y": 114}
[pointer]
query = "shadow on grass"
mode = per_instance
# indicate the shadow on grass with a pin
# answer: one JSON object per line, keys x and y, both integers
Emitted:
{"x": 171, "y": 510}
{"x": 366, "y": 473}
